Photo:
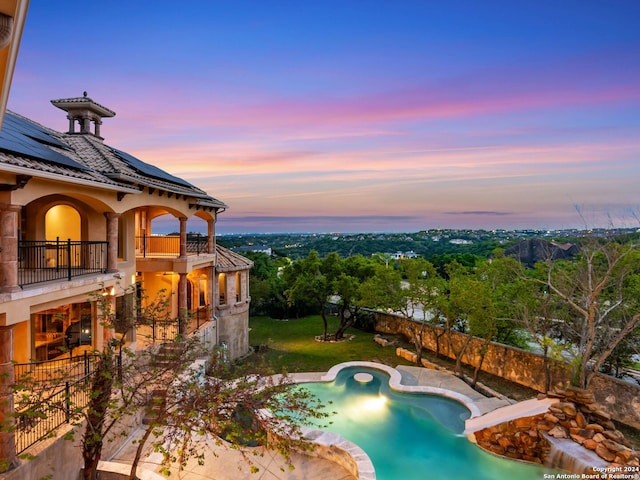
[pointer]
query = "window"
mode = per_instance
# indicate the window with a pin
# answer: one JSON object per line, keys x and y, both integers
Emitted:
{"x": 202, "y": 291}
{"x": 238, "y": 286}
{"x": 222, "y": 288}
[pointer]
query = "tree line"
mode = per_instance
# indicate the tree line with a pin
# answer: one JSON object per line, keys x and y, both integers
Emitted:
{"x": 585, "y": 310}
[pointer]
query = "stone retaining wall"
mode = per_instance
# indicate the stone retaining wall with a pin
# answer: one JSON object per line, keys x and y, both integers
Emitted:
{"x": 619, "y": 399}
{"x": 575, "y": 416}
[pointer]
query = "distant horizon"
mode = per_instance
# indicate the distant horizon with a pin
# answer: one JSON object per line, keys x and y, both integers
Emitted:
{"x": 168, "y": 224}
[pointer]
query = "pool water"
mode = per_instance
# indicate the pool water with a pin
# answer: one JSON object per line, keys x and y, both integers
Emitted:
{"x": 410, "y": 436}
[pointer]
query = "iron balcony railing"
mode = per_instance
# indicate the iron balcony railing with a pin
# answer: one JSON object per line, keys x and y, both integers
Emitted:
{"x": 159, "y": 331}
{"x": 44, "y": 260}
{"x": 169, "y": 245}
{"x": 48, "y": 393}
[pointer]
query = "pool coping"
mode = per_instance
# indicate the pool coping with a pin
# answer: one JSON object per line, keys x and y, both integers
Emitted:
{"x": 360, "y": 464}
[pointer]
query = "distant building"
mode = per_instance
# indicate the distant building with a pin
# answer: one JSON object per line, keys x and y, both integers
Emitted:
{"x": 460, "y": 241}
{"x": 254, "y": 248}
{"x": 403, "y": 255}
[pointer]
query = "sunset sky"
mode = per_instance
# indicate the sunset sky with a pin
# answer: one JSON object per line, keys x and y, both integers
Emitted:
{"x": 360, "y": 115}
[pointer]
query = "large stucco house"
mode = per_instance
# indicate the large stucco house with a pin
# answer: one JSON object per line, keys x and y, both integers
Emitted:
{"x": 77, "y": 219}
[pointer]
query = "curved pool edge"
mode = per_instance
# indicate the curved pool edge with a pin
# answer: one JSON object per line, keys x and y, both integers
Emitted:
{"x": 363, "y": 468}
{"x": 395, "y": 383}
{"x": 339, "y": 450}
{"x": 349, "y": 455}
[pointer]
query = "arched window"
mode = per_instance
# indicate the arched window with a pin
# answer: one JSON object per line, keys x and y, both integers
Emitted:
{"x": 202, "y": 291}
{"x": 238, "y": 286}
{"x": 222, "y": 288}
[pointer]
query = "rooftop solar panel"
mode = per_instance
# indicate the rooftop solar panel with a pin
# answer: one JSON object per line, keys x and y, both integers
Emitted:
{"x": 22, "y": 137}
{"x": 148, "y": 169}
{"x": 33, "y": 130}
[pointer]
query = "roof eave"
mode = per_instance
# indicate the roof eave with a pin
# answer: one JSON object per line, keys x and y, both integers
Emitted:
{"x": 66, "y": 178}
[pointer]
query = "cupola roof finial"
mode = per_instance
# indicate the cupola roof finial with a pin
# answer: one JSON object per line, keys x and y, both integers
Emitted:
{"x": 84, "y": 111}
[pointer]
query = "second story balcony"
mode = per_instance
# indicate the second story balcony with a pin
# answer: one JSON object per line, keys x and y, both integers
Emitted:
{"x": 169, "y": 245}
{"x": 42, "y": 261}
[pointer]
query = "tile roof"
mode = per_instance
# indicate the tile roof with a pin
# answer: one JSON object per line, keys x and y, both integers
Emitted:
{"x": 229, "y": 261}
{"x": 30, "y": 148}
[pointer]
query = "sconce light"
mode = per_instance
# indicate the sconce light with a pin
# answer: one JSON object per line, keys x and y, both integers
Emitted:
{"x": 108, "y": 291}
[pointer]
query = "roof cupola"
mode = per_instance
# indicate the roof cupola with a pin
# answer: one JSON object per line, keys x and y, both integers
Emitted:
{"x": 83, "y": 110}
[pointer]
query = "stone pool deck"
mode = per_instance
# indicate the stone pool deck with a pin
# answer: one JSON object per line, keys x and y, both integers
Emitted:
{"x": 227, "y": 464}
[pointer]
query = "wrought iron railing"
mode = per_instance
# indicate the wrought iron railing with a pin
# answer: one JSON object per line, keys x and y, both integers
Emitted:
{"x": 169, "y": 245}
{"x": 198, "y": 318}
{"x": 50, "y": 392}
{"x": 160, "y": 331}
{"x": 44, "y": 261}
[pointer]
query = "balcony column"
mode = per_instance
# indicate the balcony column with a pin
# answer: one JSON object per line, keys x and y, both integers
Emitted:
{"x": 183, "y": 237}
{"x": 108, "y": 328}
{"x": 211, "y": 236}
{"x": 9, "y": 248}
{"x": 7, "y": 436}
{"x": 112, "y": 238}
{"x": 182, "y": 304}
{"x": 213, "y": 302}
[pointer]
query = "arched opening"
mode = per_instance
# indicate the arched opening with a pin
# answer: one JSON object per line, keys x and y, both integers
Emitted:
{"x": 222, "y": 289}
{"x": 238, "y": 286}
{"x": 202, "y": 291}
{"x": 63, "y": 222}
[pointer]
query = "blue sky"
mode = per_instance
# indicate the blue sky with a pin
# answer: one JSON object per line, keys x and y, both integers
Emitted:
{"x": 360, "y": 115}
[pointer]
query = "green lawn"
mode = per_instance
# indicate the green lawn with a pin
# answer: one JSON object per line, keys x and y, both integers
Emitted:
{"x": 292, "y": 345}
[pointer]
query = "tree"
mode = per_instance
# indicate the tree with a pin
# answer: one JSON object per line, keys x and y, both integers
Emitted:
{"x": 234, "y": 406}
{"x": 348, "y": 288}
{"x": 600, "y": 295}
{"x": 534, "y": 309}
{"x": 312, "y": 279}
{"x": 266, "y": 286}
{"x": 119, "y": 383}
{"x": 308, "y": 282}
{"x": 123, "y": 381}
{"x": 471, "y": 299}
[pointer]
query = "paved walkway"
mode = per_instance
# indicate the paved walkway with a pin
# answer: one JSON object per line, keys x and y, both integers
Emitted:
{"x": 223, "y": 463}
{"x": 427, "y": 377}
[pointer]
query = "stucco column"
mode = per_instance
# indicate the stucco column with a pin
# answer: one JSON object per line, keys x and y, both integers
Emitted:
{"x": 108, "y": 331}
{"x": 211, "y": 236}
{"x": 86, "y": 125}
{"x": 183, "y": 237}
{"x": 182, "y": 303}
{"x": 7, "y": 436}
{"x": 112, "y": 238}
{"x": 213, "y": 301}
{"x": 9, "y": 248}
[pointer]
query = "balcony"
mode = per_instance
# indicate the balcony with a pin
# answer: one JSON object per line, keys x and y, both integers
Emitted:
{"x": 42, "y": 261}
{"x": 169, "y": 245}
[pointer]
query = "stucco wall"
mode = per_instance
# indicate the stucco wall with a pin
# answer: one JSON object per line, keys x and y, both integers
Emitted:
{"x": 620, "y": 399}
{"x": 233, "y": 324}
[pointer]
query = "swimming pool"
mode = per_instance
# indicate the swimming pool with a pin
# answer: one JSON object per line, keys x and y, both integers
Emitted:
{"x": 410, "y": 436}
